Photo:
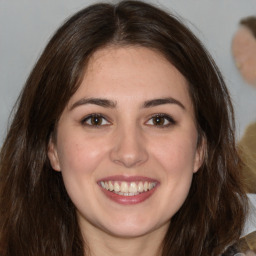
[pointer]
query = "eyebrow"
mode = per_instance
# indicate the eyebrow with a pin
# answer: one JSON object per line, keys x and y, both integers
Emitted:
{"x": 162, "y": 101}
{"x": 112, "y": 104}
{"x": 95, "y": 101}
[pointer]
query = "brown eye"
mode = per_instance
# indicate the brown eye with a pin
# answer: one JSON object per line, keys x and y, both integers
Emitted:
{"x": 95, "y": 120}
{"x": 158, "y": 120}
{"x": 161, "y": 121}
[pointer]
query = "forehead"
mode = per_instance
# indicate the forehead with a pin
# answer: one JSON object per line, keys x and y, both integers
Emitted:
{"x": 132, "y": 72}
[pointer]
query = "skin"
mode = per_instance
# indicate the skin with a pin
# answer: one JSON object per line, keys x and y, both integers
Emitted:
{"x": 128, "y": 143}
{"x": 244, "y": 51}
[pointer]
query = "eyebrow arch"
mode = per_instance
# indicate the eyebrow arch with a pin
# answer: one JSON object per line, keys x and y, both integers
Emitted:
{"x": 162, "y": 101}
{"x": 95, "y": 101}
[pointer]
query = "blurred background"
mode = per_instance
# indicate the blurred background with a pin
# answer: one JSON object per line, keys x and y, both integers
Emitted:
{"x": 27, "y": 25}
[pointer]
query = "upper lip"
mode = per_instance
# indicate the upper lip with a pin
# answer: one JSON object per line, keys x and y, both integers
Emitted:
{"x": 127, "y": 178}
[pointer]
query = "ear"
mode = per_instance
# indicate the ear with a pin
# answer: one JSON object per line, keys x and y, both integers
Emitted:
{"x": 53, "y": 155}
{"x": 200, "y": 154}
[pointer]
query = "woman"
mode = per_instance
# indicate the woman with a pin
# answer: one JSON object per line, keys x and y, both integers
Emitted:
{"x": 122, "y": 143}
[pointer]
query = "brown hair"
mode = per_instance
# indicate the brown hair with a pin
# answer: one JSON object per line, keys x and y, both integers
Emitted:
{"x": 36, "y": 215}
{"x": 247, "y": 151}
{"x": 250, "y": 23}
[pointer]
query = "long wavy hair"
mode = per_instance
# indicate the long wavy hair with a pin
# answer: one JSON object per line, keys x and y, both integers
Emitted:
{"x": 36, "y": 215}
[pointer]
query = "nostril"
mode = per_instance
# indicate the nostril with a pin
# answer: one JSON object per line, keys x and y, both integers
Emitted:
{"x": 129, "y": 158}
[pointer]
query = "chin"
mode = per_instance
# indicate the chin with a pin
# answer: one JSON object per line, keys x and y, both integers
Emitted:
{"x": 133, "y": 229}
{"x": 129, "y": 231}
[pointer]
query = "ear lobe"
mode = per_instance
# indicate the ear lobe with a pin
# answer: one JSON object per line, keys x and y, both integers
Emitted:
{"x": 53, "y": 156}
{"x": 200, "y": 155}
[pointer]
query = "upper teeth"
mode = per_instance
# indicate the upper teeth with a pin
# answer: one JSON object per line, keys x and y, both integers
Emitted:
{"x": 127, "y": 188}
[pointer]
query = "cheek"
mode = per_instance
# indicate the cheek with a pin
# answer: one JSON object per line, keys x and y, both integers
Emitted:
{"x": 177, "y": 154}
{"x": 78, "y": 155}
{"x": 79, "y": 161}
{"x": 176, "y": 159}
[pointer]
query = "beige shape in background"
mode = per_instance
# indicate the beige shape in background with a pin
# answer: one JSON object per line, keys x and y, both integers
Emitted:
{"x": 247, "y": 150}
{"x": 244, "y": 49}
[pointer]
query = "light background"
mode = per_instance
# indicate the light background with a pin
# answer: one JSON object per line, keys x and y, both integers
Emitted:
{"x": 26, "y": 26}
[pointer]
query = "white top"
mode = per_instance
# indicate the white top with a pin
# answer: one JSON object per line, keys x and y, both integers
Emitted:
{"x": 250, "y": 224}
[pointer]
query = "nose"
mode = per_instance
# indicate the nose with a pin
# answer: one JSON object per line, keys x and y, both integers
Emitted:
{"x": 129, "y": 148}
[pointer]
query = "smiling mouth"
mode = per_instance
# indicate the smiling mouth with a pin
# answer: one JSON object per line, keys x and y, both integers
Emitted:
{"x": 124, "y": 188}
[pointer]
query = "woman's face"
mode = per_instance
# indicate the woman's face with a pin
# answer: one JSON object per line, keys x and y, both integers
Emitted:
{"x": 127, "y": 143}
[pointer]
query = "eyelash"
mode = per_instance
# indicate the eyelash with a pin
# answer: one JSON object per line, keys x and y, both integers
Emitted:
{"x": 166, "y": 117}
{"x": 91, "y": 116}
{"x": 105, "y": 121}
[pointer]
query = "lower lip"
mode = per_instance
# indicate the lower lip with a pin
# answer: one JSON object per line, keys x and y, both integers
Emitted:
{"x": 128, "y": 200}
